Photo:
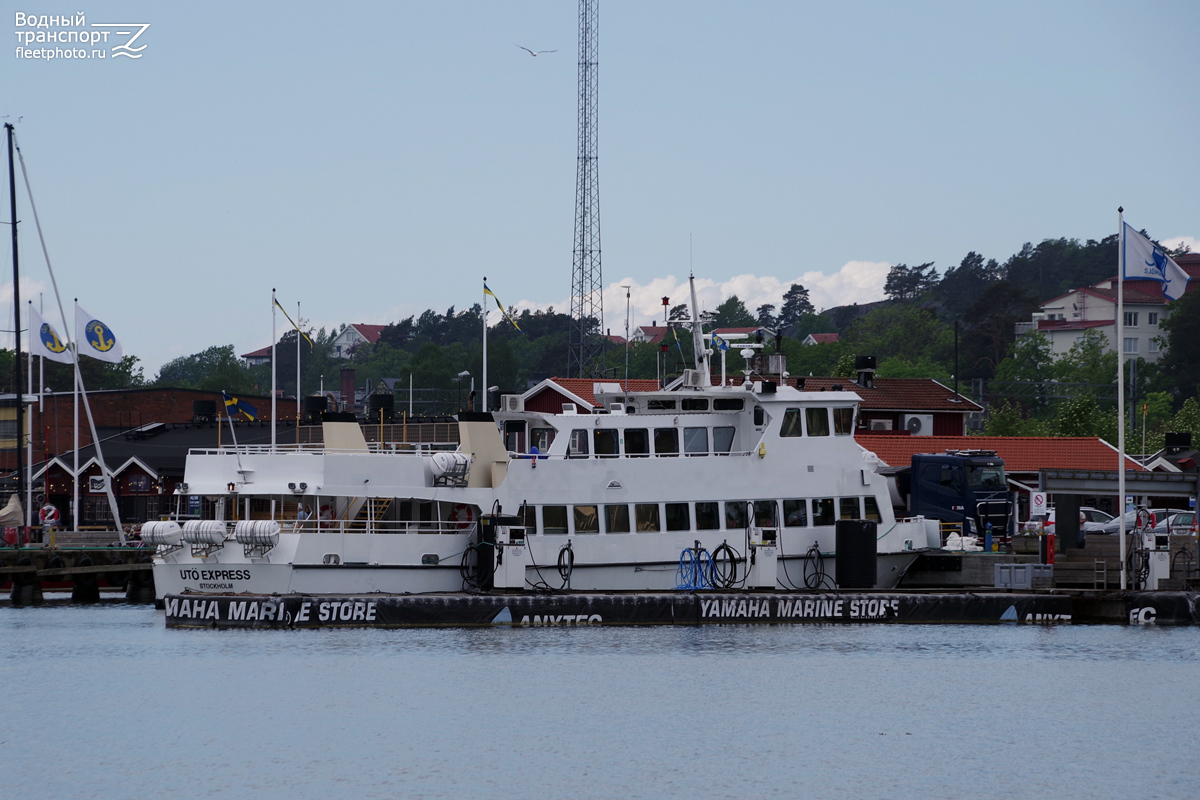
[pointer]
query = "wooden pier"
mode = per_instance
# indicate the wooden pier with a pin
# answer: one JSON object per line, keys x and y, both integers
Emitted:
{"x": 85, "y": 571}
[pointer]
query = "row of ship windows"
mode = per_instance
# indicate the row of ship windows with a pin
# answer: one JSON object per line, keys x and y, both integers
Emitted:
{"x": 650, "y": 517}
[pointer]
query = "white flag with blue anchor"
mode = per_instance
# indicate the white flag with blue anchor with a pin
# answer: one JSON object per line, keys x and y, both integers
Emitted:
{"x": 44, "y": 340}
{"x": 1144, "y": 260}
{"x": 95, "y": 339}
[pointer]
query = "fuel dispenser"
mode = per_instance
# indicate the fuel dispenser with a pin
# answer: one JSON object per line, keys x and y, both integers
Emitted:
{"x": 764, "y": 559}
{"x": 1158, "y": 557}
{"x": 506, "y": 535}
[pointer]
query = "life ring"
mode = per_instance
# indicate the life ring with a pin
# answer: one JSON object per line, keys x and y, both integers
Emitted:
{"x": 462, "y": 516}
{"x": 48, "y": 514}
{"x": 324, "y": 514}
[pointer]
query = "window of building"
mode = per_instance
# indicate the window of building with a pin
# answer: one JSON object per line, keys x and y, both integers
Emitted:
{"x": 822, "y": 511}
{"x": 707, "y": 518}
{"x": 843, "y": 421}
{"x": 695, "y": 441}
{"x": 677, "y": 517}
{"x": 554, "y": 519}
{"x": 1152, "y": 319}
{"x": 817, "y": 420}
{"x": 637, "y": 442}
{"x": 1152, "y": 345}
{"x": 1131, "y": 345}
{"x": 616, "y": 519}
{"x": 666, "y": 441}
{"x": 791, "y": 423}
{"x": 586, "y": 519}
{"x": 647, "y": 516}
{"x": 795, "y": 513}
{"x": 1131, "y": 319}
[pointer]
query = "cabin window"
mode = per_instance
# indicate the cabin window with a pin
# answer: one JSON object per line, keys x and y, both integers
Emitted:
{"x": 795, "y": 513}
{"x": 586, "y": 519}
{"x": 677, "y": 517}
{"x": 791, "y": 425}
{"x": 843, "y": 421}
{"x": 822, "y": 511}
{"x": 695, "y": 441}
{"x": 735, "y": 515}
{"x": 760, "y": 416}
{"x": 848, "y": 508}
{"x": 818, "y": 421}
{"x": 872, "y": 509}
{"x": 707, "y": 518}
{"x": 541, "y": 438}
{"x": 578, "y": 446}
{"x": 606, "y": 442}
{"x": 528, "y": 516}
{"x": 554, "y": 519}
{"x": 637, "y": 442}
{"x": 728, "y": 404}
{"x": 723, "y": 439}
{"x": 666, "y": 441}
{"x": 661, "y": 405}
{"x": 695, "y": 404}
{"x": 647, "y": 516}
{"x": 764, "y": 514}
{"x": 514, "y": 436}
{"x": 616, "y": 519}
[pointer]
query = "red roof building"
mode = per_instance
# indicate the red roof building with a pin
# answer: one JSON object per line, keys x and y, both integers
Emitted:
{"x": 820, "y": 338}
{"x": 919, "y": 407}
{"x": 549, "y": 396}
{"x": 355, "y": 336}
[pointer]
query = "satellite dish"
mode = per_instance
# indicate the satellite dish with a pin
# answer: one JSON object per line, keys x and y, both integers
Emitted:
{"x": 914, "y": 425}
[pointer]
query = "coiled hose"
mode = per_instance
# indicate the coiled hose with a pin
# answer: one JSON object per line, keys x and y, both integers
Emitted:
{"x": 695, "y": 567}
{"x": 814, "y": 570}
{"x": 723, "y": 567}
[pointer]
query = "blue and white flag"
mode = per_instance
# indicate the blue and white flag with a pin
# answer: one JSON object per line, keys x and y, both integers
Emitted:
{"x": 44, "y": 340}
{"x": 95, "y": 339}
{"x": 1144, "y": 260}
{"x": 718, "y": 343}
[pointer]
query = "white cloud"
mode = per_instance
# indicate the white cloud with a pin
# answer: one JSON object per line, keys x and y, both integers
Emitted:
{"x": 855, "y": 282}
{"x": 1174, "y": 242}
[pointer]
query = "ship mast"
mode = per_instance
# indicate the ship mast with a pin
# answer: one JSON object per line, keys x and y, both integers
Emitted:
{"x": 12, "y": 200}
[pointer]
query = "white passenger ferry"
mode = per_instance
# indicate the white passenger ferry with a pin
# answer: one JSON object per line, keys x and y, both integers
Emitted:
{"x": 683, "y": 488}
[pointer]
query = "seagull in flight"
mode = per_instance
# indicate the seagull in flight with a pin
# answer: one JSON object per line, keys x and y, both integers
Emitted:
{"x": 536, "y": 53}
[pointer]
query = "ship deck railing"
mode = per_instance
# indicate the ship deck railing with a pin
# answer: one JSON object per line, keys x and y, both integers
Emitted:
{"x": 319, "y": 449}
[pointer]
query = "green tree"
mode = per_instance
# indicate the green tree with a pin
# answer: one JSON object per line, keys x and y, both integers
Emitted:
{"x": 1082, "y": 416}
{"x": 908, "y": 283}
{"x": 901, "y": 330}
{"x": 732, "y": 314}
{"x": 922, "y": 367}
{"x": 963, "y": 285}
{"x": 796, "y": 304}
{"x": 215, "y": 369}
{"x": 1182, "y": 360}
{"x": 1090, "y": 360}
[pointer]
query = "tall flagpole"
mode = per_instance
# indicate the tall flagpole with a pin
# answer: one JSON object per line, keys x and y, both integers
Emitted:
{"x": 485, "y": 383}
{"x": 1120, "y": 347}
{"x": 297, "y": 361}
{"x": 273, "y": 370}
{"x": 75, "y": 424}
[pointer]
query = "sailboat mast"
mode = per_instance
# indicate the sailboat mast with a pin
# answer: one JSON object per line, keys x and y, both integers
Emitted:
{"x": 12, "y": 201}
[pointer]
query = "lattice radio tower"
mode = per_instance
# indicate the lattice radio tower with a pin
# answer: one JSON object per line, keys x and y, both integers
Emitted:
{"x": 586, "y": 357}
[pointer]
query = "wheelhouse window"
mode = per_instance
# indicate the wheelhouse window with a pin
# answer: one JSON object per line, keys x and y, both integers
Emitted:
{"x": 661, "y": 405}
{"x": 677, "y": 517}
{"x": 695, "y": 404}
{"x": 647, "y": 516}
{"x": 666, "y": 441}
{"x": 818, "y": 421}
{"x": 791, "y": 425}
{"x": 578, "y": 446}
{"x": 695, "y": 441}
{"x": 637, "y": 442}
{"x": 616, "y": 519}
{"x": 764, "y": 514}
{"x": 707, "y": 517}
{"x": 541, "y": 438}
{"x": 848, "y": 508}
{"x": 586, "y": 519}
{"x": 843, "y": 421}
{"x": 728, "y": 404}
{"x": 822, "y": 511}
{"x": 528, "y": 517}
{"x": 735, "y": 515}
{"x": 554, "y": 519}
{"x": 872, "y": 509}
{"x": 606, "y": 442}
{"x": 723, "y": 439}
{"x": 795, "y": 513}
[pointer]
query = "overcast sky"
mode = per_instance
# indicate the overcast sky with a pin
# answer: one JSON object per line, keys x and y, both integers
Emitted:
{"x": 372, "y": 160}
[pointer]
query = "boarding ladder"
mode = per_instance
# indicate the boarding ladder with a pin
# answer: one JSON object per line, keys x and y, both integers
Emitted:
{"x": 373, "y": 510}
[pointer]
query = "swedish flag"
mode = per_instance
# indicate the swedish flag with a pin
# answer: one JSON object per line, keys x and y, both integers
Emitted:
{"x": 233, "y": 406}
{"x": 500, "y": 306}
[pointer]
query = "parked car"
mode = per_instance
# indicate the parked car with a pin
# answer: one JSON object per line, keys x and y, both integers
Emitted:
{"x": 1180, "y": 523}
{"x": 1091, "y": 520}
{"x": 1114, "y": 524}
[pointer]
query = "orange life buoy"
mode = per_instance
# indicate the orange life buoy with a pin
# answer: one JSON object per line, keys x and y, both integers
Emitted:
{"x": 462, "y": 516}
{"x": 48, "y": 514}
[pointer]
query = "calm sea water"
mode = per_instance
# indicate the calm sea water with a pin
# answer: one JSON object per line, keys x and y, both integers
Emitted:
{"x": 104, "y": 701}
